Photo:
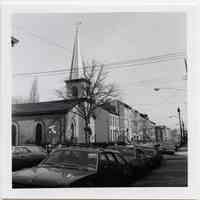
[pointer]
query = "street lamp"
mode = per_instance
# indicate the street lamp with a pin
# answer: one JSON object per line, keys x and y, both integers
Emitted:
{"x": 177, "y": 89}
{"x": 179, "y": 116}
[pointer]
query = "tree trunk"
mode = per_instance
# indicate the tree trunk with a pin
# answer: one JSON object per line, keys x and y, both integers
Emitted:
{"x": 87, "y": 131}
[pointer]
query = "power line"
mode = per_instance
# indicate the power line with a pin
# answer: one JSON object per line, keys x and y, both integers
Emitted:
{"x": 114, "y": 65}
{"x": 42, "y": 38}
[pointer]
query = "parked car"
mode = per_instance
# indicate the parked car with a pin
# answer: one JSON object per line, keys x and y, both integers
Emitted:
{"x": 168, "y": 148}
{"x": 76, "y": 167}
{"x": 26, "y": 156}
{"x": 135, "y": 157}
{"x": 153, "y": 153}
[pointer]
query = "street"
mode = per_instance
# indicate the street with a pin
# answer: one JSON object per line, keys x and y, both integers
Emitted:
{"x": 172, "y": 173}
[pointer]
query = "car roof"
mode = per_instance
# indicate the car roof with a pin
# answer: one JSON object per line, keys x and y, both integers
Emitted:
{"x": 92, "y": 149}
{"x": 29, "y": 145}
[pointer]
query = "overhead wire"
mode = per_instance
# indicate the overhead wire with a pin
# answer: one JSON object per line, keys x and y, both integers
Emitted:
{"x": 110, "y": 66}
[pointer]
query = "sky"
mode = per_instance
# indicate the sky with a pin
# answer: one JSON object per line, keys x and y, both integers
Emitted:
{"x": 46, "y": 42}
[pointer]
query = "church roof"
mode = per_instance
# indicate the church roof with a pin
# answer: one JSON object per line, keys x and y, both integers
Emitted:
{"x": 42, "y": 108}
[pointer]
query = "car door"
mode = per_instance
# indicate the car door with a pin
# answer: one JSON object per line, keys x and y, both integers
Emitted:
{"x": 144, "y": 161}
{"x": 20, "y": 158}
{"x": 104, "y": 171}
{"x": 116, "y": 170}
{"x": 34, "y": 156}
{"x": 125, "y": 169}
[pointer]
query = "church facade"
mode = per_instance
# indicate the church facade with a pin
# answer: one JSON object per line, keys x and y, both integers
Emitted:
{"x": 46, "y": 122}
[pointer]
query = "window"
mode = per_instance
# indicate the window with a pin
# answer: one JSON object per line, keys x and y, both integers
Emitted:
{"x": 119, "y": 159}
{"x": 111, "y": 134}
{"x": 38, "y": 134}
{"x": 103, "y": 157}
{"x": 74, "y": 91}
{"x": 111, "y": 157}
{"x": 114, "y": 135}
{"x": 14, "y": 135}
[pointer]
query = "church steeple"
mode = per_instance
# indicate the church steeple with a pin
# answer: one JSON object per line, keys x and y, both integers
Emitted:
{"x": 76, "y": 83}
{"x": 76, "y": 63}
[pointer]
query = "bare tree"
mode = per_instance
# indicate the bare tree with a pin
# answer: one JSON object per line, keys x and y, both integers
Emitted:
{"x": 33, "y": 97}
{"x": 96, "y": 93}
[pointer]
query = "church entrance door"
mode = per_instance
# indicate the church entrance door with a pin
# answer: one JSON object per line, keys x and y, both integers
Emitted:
{"x": 73, "y": 137}
{"x": 38, "y": 135}
{"x": 14, "y": 135}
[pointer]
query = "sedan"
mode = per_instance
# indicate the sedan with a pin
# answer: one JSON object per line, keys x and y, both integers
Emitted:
{"x": 76, "y": 167}
{"x": 135, "y": 157}
{"x": 154, "y": 155}
{"x": 168, "y": 148}
{"x": 27, "y": 156}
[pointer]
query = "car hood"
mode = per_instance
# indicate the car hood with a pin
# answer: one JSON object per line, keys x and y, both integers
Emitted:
{"x": 48, "y": 176}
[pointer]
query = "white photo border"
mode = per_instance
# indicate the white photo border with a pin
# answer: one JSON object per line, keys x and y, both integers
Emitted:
{"x": 189, "y": 192}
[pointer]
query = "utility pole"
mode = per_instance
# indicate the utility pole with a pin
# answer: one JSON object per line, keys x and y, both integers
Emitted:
{"x": 183, "y": 128}
{"x": 179, "y": 116}
{"x": 186, "y": 68}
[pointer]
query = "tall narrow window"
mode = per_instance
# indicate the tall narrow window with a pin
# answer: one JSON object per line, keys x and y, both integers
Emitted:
{"x": 73, "y": 133}
{"x": 74, "y": 91}
{"x": 38, "y": 134}
{"x": 14, "y": 135}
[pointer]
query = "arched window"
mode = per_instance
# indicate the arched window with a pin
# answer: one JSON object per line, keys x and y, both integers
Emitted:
{"x": 74, "y": 91}
{"x": 38, "y": 134}
{"x": 14, "y": 135}
{"x": 73, "y": 133}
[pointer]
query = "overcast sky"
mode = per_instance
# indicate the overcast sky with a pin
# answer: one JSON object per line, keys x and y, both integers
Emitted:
{"x": 46, "y": 42}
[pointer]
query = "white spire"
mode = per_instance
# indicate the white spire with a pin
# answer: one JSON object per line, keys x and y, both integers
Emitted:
{"x": 76, "y": 64}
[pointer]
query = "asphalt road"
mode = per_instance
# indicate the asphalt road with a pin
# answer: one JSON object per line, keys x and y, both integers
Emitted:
{"x": 172, "y": 172}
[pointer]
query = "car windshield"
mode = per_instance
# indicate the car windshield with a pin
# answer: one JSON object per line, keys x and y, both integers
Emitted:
{"x": 73, "y": 158}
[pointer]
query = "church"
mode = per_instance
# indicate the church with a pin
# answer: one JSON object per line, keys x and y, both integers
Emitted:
{"x": 54, "y": 121}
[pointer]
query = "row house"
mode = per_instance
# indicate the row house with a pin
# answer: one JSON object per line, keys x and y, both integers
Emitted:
{"x": 107, "y": 124}
{"x": 165, "y": 134}
{"x": 133, "y": 125}
{"x": 125, "y": 119}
